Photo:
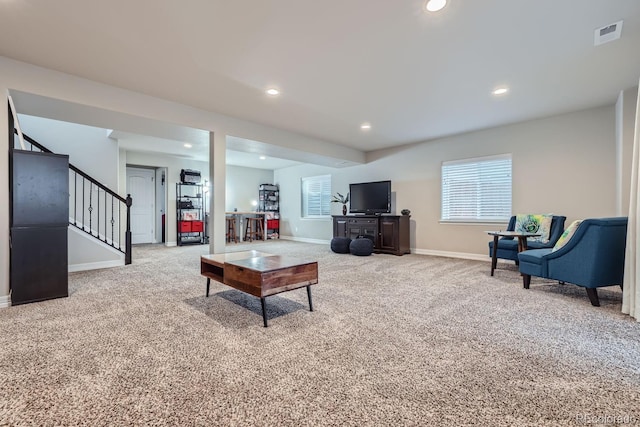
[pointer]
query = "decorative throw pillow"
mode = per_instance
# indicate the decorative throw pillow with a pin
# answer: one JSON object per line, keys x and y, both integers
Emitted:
{"x": 539, "y": 224}
{"x": 566, "y": 235}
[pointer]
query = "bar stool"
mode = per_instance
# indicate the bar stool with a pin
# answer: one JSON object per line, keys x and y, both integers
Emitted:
{"x": 253, "y": 229}
{"x": 231, "y": 229}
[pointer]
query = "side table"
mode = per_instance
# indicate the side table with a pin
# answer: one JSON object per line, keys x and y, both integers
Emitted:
{"x": 522, "y": 243}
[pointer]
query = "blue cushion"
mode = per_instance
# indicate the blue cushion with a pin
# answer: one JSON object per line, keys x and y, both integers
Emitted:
{"x": 531, "y": 262}
{"x": 361, "y": 247}
{"x": 340, "y": 245}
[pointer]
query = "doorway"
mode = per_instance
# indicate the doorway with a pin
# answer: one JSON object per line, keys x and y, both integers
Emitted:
{"x": 141, "y": 186}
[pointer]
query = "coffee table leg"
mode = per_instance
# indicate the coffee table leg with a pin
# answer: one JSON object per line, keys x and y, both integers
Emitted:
{"x": 494, "y": 256}
{"x": 309, "y": 295}
{"x": 208, "y": 283}
{"x": 264, "y": 312}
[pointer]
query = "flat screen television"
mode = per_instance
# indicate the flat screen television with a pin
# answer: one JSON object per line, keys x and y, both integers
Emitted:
{"x": 370, "y": 197}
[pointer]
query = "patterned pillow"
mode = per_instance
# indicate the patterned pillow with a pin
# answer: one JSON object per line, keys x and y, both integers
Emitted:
{"x": 566, "y": 235}
{"x": 539, "y": 224}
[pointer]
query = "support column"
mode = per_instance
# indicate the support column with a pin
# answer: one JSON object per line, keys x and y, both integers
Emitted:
{"x": 6, "y": 136}
{"x": 217, "y": 203}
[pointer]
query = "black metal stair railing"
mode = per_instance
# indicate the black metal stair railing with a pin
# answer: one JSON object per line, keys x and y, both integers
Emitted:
{"x": 95, "y": 209}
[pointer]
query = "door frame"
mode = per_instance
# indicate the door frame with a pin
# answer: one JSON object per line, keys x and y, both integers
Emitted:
{"x": 151, "y": 172}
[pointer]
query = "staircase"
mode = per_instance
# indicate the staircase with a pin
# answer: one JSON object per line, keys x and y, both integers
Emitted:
{"x": 95, "y": 209}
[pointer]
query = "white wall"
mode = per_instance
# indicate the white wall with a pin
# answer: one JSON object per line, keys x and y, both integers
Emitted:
{"x": 242, "y": 187}
{"x": 89, "y": 148}
{"x": 87, "y": 254}
{"x": 563, "y": 164}
{"x": 173, "y": 166}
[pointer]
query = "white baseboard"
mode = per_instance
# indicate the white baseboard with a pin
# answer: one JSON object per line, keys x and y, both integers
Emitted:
{"x": 96, "y": 265}
{"x": 305, "y": 240}
{"x": 447, "y": 254}
{"x": 168, "y": 244}
{"x": 5, "y": 301}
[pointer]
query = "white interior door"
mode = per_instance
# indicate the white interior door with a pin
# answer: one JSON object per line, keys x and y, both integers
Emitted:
{"x": 141, "y": 186}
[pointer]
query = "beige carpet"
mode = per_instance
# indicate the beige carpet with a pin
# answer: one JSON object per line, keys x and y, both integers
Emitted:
{"x": 411, "y": 340}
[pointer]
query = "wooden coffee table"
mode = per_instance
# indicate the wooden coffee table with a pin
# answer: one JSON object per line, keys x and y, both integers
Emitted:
{"x": 260, "y": 274}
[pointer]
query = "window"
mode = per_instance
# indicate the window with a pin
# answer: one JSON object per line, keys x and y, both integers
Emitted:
{"x": 477, "y": 190}
{"x": 316, "y": 196}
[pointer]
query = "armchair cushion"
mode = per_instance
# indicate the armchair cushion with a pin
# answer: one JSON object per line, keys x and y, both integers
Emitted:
{"x": 526, "y": 223}
{"x": 566, "y": 235}
{"x": 531, "y": 262}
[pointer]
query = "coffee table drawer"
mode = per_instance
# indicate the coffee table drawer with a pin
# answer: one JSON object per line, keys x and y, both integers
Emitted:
{"x": 243, "y": 279}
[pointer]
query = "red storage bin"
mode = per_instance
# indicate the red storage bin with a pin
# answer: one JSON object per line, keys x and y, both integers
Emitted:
{"x": 197, "y": 226}
{"x": 184, "y": 226}
{"x": 273, "y": 223}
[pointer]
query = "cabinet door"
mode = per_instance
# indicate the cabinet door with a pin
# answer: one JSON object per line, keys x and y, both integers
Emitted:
{"x": 39, "y": 264}
{"x": 370, "y": 231}
{"x": 353, "y": 231}
{"x": 389, "y": 235}
{"x": 339, "y": 227}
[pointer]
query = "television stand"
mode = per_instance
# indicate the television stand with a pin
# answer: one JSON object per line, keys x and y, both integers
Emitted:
{"x": 390, "y": 233}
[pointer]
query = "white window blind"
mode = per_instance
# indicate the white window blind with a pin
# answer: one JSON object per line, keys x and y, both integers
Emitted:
{"x": 316, "y": 196}
{"x": 477, "y": 190}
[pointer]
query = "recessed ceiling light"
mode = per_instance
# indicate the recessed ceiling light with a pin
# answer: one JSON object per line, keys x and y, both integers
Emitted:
{"x": 273, "y": 92}
{"x": 435, "y": 5}
{"x": 263, "y": 158}
{"x": 365, "y": 126}
{"x": 500, "y": 91}
{"x": 187, "y": 145}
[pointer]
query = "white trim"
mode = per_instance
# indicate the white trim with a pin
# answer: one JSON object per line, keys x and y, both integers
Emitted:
{"x": 477, "y": 159}
{"x": 168, "y": 244}
{"x": 431, "y": 252}
{"x": 447, "y": 254}
{"x": 5, "y": 301}
{"x": 305, "y": 240}
{"x": 96, "y": 265}
{"x": 470, "y": 222}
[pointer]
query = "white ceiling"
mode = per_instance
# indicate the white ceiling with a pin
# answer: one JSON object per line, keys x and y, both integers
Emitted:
{"x": 199, "y": 150}
{"x": 413, "y": 75}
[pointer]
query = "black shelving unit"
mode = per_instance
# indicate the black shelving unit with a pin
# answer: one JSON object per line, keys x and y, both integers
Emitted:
{"x": 189, "y": 214}
{"x": 269, "y": 202}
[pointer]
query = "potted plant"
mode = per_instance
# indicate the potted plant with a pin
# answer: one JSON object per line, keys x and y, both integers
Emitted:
{"x": 339, "y": 198}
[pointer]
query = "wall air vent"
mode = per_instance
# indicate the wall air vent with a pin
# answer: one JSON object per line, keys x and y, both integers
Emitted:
{"x": 608, "y": 33}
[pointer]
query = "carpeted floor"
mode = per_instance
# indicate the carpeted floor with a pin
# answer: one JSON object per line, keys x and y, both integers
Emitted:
{"x": 411, "y": 340}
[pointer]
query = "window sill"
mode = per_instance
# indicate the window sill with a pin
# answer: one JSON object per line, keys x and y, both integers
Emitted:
{"x": 468, "y": 222}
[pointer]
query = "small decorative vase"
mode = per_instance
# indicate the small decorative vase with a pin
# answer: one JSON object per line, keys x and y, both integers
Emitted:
{"x": 344, "y": 209}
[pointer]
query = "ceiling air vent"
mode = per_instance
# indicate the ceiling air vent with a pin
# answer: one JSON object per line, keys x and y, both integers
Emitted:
{"x": 607, "y": 33}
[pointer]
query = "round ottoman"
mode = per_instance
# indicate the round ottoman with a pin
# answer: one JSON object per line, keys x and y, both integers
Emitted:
{"x": 361, "y": 247}
{"x": 340, "y": 245}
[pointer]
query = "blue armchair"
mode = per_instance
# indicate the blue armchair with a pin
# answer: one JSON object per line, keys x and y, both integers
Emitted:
{"x": 508, "y": 246}
{"x": 593, "y": 257}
